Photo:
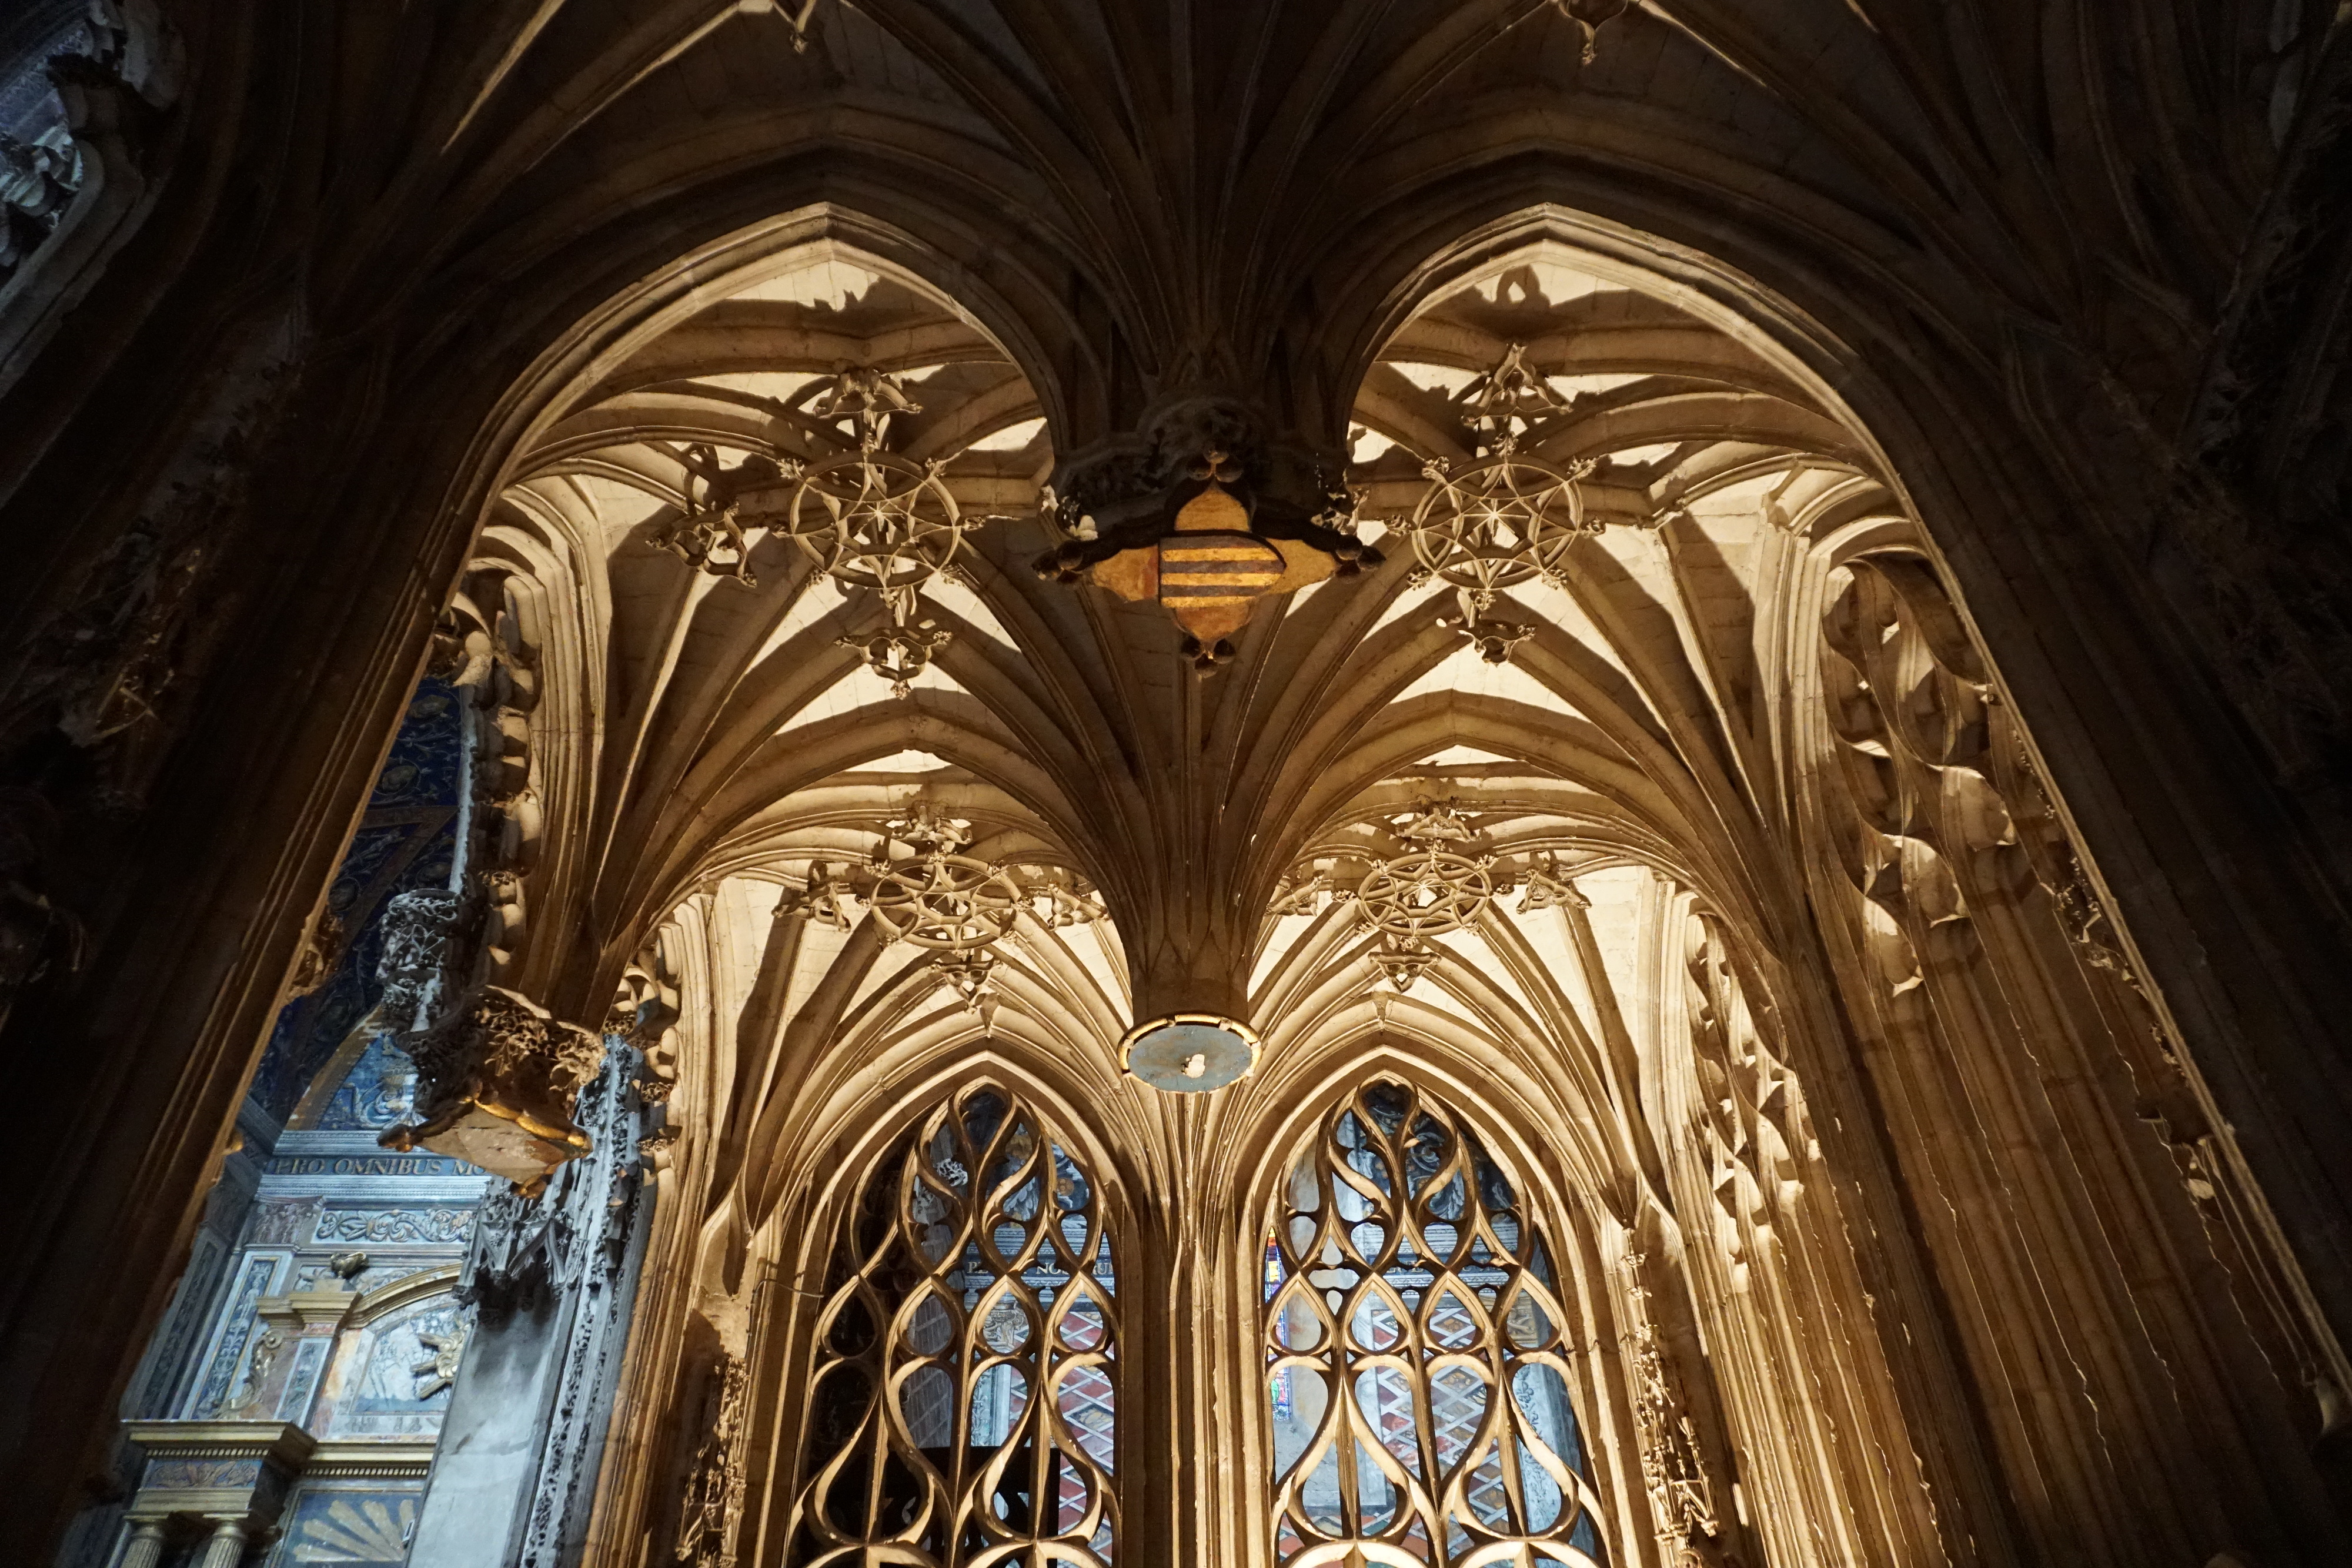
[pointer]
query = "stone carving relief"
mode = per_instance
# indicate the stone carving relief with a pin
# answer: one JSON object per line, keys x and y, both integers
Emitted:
{"x": 438, "y": 1370}
{"x": 421, "y": 938}
{"x": 484, "y": 644}
{"x": 588, "y": 1220}
{"x": 130, "y": 629}
{"x": 714, "y": 1489}
{"x": 282, "y": 1224}
{"x": 646, "y": 1005}
{"x": 88, "y": 715}
{"x": 212, "y": 1396}
{"x": 526, "y": 1242}
{"x": 398, "y": 1227}
{"x": 1949, "y": 836}
{"x": 497, "y": 1078}
{"x": 1442, "y": 877}
{"x": 371, "y": 1527}
{"x": 919, "y": 888}
{"x": 1682, "y": 1498}
{"x": 1752, "y": 1120}
{"x": 388, "y": 1396}
{"x": 322, "y": 948}
{"x": 257, "y": 1368}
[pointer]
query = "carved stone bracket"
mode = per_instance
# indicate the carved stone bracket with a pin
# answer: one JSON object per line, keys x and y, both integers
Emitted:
{"x": 497, "y": 1080}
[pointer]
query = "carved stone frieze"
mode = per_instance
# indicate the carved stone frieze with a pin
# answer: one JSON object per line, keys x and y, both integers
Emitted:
{"x": 498, "y": 1077}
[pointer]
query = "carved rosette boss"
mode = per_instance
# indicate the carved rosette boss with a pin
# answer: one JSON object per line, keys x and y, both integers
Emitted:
{"x": 497, "y": 1078}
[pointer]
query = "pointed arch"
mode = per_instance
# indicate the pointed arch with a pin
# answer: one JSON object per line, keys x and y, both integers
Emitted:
{"x": 959, "y": 1401}
{"x": 1416, "y": 1344}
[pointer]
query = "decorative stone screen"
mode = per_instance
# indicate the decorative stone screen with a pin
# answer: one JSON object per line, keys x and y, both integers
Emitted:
{"x": 962, "y": 1405}
{"x": 1416, "y": 1370}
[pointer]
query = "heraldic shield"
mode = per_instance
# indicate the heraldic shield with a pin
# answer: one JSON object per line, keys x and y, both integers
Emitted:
{"x": 1210, "y": 572}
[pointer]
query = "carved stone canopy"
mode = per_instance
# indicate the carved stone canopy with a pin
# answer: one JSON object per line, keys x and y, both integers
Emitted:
{"x": 497, "y": 1078}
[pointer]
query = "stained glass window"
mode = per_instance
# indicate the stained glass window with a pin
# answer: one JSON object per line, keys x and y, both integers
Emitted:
{"x": 1415, "y": 1349}
{"x": 961, "y": 1406}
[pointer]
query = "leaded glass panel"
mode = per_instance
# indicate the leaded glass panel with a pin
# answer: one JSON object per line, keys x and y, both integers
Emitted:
{"x": 962, "y": 1407}
{"x": 1416, "y": 1363}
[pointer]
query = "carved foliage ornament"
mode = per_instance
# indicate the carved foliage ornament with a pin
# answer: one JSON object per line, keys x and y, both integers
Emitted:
{"x": 919, "y": 889}
{"x": 869, "y": 518}
{"x": 418, "y": 928}
{"x": 1445, "y": 880}
{"x": 497, "y": 1078}
{"x": 1505, "y": 517}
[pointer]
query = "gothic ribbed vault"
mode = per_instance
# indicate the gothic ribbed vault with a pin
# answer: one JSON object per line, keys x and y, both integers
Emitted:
{"x": 1876, "y": 892}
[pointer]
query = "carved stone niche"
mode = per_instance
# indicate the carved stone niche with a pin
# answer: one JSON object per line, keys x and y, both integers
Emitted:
{"x": 497, "y": 1078}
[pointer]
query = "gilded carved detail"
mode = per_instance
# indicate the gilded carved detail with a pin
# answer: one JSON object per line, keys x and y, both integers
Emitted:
{"x": 497, "y": 1078}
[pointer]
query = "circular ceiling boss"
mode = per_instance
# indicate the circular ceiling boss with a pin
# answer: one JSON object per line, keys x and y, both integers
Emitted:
{"x": 1424, "y": 892}
{"x": 873, "y": 520}
{"x": 1189, "y": 1053}
{"x": 1495, "y": 523}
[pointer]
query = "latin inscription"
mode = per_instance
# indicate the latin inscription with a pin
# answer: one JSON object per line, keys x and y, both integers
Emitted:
{"x": 372, "y": 1166}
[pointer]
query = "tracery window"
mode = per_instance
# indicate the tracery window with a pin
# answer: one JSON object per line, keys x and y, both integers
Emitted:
{"x": 1416, "y": 1364}
{"x": 962, "y": 1405}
